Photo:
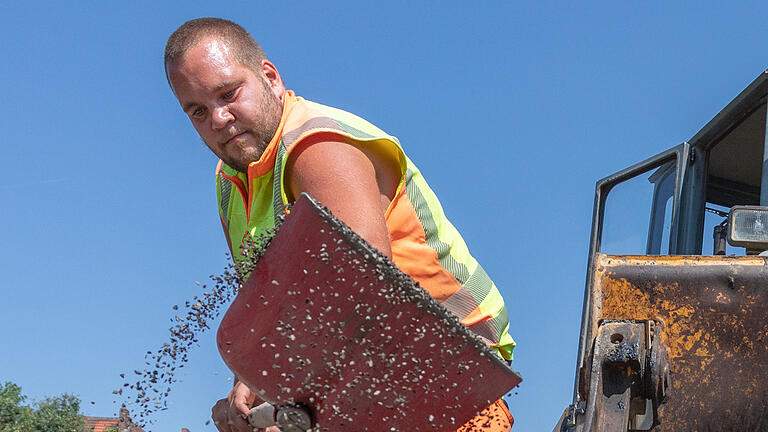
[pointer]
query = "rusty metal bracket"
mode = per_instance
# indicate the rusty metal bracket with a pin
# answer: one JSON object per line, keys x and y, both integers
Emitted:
{"x": 629, "y": 371}
{"x": 568, "y": 420}
{"x": 657, "y": 382}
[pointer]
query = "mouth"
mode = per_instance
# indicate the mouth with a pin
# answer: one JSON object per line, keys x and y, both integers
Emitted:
{"x": 233, "y": 137}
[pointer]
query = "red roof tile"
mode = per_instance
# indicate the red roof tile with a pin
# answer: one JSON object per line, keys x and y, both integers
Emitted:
{"x": 100, "y": 424}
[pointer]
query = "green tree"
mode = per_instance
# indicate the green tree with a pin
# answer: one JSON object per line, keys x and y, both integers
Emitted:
{"x": 13, "y": 416}
{"x": 52, "y": 414}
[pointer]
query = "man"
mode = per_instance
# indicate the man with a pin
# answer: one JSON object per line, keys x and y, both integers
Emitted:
{"x": 274, "y": 145}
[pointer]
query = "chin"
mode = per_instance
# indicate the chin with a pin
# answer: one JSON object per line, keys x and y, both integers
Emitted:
{"x": 240, "y": 164}
{"x": 243, "y": 158}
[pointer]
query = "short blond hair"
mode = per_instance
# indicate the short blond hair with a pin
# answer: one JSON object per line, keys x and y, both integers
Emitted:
{"x": 243, "y": 47}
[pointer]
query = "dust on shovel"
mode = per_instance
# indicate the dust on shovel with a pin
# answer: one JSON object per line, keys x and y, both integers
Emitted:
{"x": 346, "y": 334}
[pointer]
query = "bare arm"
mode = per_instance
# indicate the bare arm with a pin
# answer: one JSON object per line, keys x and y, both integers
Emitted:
{"x": 355, "y": 183}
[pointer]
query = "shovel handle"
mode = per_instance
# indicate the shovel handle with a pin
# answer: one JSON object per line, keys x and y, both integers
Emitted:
{"x": 288, "y": 419}
{"x": 262, "y": 416}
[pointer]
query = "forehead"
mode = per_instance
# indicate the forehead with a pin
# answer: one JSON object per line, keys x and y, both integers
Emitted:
{"x": 213, "y": 51}
{"x": 205, "y": 66}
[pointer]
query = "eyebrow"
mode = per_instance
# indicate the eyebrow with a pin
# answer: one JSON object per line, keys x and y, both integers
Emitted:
{"x": 188, "y": 105}
{"x": 225, "y": 84}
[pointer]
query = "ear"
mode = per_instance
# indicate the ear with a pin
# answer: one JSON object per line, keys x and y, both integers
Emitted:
{"x": 272, "y": 78}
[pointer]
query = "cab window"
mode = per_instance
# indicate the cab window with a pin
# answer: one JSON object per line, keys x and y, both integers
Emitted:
{"x": 637, "y": 216}
{"x": 733, "y": 173}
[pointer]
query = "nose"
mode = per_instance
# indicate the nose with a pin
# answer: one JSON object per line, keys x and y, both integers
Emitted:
{"x": 220, "y": 117}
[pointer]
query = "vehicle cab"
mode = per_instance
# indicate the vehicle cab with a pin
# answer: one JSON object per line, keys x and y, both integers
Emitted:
{"x": 674, "y": 332}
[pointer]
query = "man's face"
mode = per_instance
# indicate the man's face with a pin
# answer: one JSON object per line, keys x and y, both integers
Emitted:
{"x": 235, "y": 110}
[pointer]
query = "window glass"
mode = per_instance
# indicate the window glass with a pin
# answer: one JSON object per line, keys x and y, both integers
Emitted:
{"x": 638, "y": 213}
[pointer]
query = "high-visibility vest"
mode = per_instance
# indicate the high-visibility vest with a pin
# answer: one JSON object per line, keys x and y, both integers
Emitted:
{"x": 425, "y": 245}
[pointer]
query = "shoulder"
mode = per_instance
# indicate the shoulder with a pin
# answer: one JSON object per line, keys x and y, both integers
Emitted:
{"x": 307, "y": 117}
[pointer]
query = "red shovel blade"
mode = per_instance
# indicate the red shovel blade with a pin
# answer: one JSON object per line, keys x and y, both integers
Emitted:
{"x": 327, "y": 322}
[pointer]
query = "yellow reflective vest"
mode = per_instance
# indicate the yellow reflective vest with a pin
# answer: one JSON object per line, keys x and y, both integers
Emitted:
{"x": 425, "y": 245}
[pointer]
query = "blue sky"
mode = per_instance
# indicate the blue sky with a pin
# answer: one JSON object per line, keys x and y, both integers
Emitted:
{"x": 512, "y": 110}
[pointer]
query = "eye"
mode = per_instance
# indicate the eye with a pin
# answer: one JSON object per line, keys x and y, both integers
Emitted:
{"x": 228, "y": 96}
{"x": 197, "y": 112}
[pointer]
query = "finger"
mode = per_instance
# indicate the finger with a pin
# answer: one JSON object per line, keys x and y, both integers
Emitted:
{"x": 242, "y": 399}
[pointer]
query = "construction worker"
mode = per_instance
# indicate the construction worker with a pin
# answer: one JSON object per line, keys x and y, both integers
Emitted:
{"x": 274, "y": 145}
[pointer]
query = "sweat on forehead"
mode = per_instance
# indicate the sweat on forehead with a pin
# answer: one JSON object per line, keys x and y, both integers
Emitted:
{"x": 237, "y": 41}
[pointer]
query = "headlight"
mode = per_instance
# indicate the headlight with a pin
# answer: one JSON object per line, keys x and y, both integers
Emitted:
{"x": 748, "y": 227}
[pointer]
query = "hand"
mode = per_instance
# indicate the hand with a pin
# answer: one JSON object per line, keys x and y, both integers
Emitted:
{"x": 231, "y": 414}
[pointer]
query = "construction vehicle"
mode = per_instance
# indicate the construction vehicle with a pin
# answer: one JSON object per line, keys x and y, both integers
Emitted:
{"x": 674, "y": 331}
